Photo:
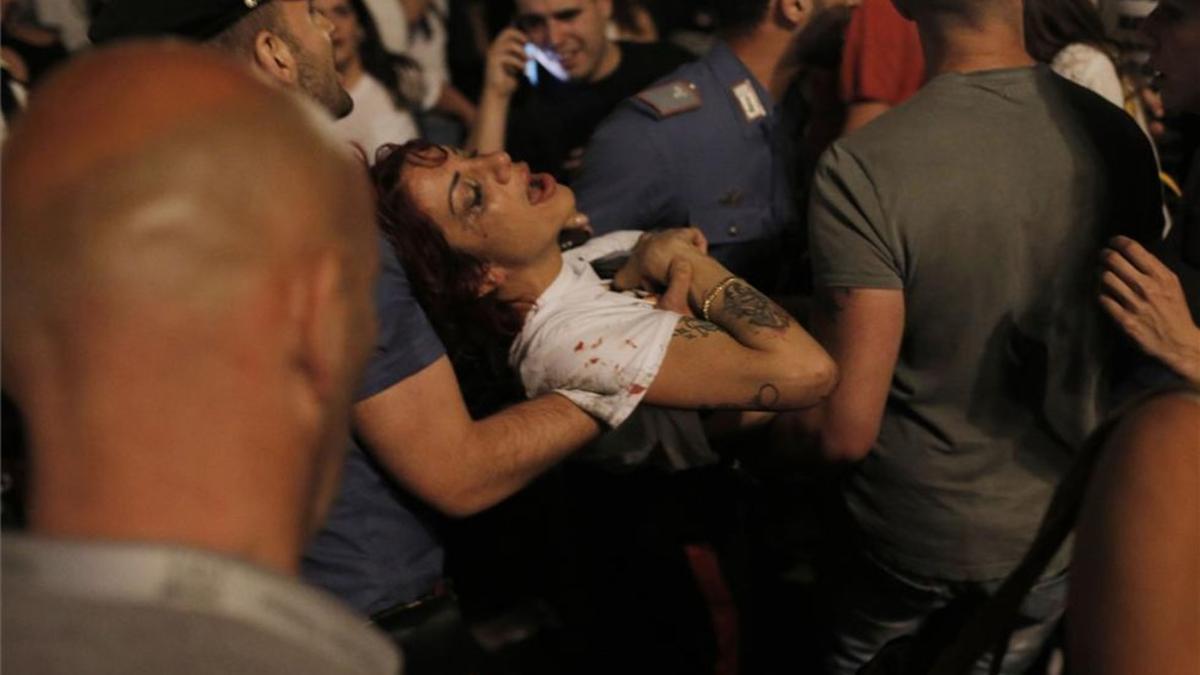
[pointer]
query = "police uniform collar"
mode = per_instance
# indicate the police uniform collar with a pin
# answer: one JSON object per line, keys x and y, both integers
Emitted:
{"x": 730, "y": 71}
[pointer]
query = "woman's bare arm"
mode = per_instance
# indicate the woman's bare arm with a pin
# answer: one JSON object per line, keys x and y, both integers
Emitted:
{"x": 749, "y": 353}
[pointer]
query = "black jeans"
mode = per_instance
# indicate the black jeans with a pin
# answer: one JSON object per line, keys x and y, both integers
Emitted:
{"x": 433, "y": 637}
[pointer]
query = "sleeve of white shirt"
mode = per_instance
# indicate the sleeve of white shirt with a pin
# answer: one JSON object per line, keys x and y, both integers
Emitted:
{"x": 602, "y": 356}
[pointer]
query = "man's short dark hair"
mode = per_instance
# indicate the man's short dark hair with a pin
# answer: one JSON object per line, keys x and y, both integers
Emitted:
{"x": 197, "y": 20}
{"x": 238, "y": 38}
{"x": 736, "y": 17}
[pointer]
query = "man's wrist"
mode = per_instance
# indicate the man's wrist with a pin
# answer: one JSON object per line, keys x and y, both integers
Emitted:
{"x": 495, "y": 93}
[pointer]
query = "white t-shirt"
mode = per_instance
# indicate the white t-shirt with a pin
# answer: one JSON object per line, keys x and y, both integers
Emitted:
{"x": 1089, "y": 67}
{"x": 600, "y": 348}
{"x": 375, "y": 119}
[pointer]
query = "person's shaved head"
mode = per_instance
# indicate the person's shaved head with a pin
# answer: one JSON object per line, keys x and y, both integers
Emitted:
{"x": 187, "y": 257}
{"x": 970, "y": 11}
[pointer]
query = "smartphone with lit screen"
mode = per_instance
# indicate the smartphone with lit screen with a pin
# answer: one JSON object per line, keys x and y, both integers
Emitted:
{"x": 547, "y": 60}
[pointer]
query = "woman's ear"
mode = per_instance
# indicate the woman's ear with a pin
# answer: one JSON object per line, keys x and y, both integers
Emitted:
{"x": 493, "y": 277}
{"x": 272, "y": 54}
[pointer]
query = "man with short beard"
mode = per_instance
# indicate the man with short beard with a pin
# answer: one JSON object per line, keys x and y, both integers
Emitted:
{"x": 286, "y": 39}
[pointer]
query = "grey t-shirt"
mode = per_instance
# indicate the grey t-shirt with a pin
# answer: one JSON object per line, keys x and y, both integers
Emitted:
{"x": 985, "y": 199}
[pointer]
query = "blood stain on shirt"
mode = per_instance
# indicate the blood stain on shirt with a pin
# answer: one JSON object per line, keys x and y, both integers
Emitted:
{"x": 630, "y": 343}
{"x": 579, "y": 346}
{"x": 635, "y": 389}
{"x": 597, "y": 343}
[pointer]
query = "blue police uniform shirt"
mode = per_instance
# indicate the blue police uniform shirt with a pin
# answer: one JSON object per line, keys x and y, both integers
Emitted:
{"x": 376, "y": 549}
{"x": 713, "y": 166}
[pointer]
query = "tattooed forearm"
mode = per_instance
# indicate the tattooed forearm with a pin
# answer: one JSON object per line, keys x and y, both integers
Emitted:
{"x": 691, "y": 328}
{"x": 743, "y": 301}
{"x": 766, "y": 398}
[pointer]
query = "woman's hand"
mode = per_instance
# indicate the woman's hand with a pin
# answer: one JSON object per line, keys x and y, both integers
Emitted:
{"x": 1145, "y": 298}
{"x": 649, "y": 265}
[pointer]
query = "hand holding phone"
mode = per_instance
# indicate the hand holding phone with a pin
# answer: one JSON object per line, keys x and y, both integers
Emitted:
{"x": 548, "y": 60}
{"x": 506, "y": 60}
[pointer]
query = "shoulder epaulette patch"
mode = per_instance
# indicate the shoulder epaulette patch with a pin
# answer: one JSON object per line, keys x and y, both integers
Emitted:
{"x": 672, "y": 98}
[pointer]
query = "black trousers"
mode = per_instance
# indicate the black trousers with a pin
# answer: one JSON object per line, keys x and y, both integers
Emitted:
{"x": 433, "y": 637}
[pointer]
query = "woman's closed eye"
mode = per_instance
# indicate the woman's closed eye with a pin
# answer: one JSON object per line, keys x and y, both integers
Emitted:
{"x": 475, "y": 204}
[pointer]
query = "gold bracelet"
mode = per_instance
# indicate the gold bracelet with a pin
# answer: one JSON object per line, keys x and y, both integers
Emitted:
{"x": 712, "y": 295}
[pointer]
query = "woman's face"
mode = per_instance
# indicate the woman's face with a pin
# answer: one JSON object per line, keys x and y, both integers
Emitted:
{"x": 347, "y": 34}
{"x": 491, "y": 208}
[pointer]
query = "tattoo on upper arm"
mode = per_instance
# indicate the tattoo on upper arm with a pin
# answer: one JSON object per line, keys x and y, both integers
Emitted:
{"x": 767, "y": 397}
{"x": 691, "y": 328}
{"x": 744, "y": 301}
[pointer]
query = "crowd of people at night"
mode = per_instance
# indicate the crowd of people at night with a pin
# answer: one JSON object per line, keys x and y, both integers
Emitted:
{"x": 727, "y": 337}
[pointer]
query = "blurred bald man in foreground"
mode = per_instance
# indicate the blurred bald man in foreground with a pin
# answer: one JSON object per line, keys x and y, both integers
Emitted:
{"x": 187, "y": 264}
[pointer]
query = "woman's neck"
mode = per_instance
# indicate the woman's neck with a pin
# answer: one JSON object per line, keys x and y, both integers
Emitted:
{"x": 524, "y": 286}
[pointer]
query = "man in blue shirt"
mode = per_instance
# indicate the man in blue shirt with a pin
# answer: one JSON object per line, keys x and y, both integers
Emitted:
{"x": 709, "y": 145}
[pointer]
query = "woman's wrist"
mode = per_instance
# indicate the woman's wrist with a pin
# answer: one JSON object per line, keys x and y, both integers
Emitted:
{"x": 709, "y": 278}
{"x": 706, "y": 305}
{"x": 1185, "y": 359}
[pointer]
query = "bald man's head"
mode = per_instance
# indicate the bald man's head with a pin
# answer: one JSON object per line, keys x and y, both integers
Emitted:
{"x": 172, "y": 224}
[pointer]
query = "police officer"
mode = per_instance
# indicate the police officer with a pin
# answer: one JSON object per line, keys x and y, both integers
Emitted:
{"x": 709, "y": 145}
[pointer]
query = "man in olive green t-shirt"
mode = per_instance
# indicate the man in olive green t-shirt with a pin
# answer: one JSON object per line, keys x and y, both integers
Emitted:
{"x": 954, "y": 243}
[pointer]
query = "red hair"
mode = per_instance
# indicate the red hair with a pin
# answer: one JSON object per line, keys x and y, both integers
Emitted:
{"x": 446, "y": 282}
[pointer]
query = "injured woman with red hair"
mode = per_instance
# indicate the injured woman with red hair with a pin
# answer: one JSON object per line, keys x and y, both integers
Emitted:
{"x": 479, "y": 238}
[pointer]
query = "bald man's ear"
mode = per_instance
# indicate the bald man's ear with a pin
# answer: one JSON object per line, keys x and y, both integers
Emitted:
{"x": 273, "y": 55}
{"x": 320, "y": 317}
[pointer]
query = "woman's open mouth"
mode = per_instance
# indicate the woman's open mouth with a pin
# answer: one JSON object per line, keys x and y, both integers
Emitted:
{"x": 541, "y": 187}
